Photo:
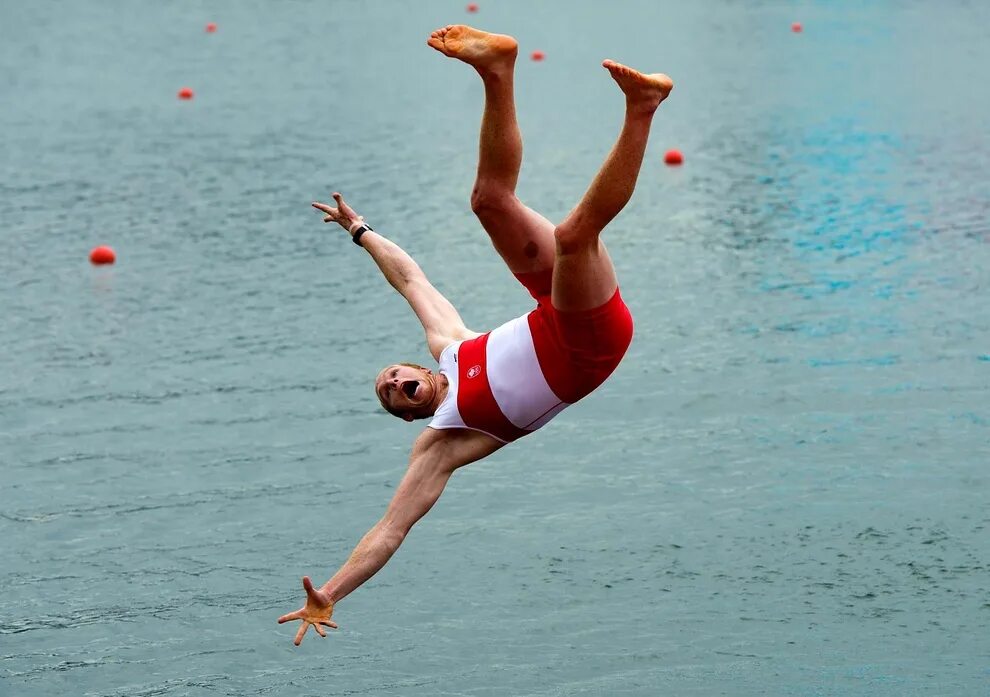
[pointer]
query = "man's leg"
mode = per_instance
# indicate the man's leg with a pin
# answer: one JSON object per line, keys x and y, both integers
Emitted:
{"x": 583, "y": 276}
{"x": 521, "y": 236}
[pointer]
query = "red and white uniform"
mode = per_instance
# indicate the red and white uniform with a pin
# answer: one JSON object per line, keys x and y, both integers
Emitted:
{"x": 514, "y": 379}
{"x": 495, "y": 384}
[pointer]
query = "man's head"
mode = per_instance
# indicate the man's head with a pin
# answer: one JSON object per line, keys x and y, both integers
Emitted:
{"x": 408, "y": 391}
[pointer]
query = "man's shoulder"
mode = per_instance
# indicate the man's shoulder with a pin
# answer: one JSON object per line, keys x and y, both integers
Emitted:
{"x": 458, "y": 446}
{"x": 464, "y": 335}
{"x": 440, "y": 344}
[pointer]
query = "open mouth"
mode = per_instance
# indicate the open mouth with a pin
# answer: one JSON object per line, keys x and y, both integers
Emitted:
{"x": 410, "y": 388}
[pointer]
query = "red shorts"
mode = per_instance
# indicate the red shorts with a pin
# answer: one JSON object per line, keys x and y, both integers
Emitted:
{"x": 577, "y": 350}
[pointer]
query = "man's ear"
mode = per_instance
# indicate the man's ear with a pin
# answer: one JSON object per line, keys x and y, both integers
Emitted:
{"x": 407, "y": 417}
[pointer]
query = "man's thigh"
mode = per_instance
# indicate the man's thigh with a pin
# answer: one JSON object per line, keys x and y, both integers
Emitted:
{"x": 522, "y": 237}
{"x": 583, "y": 278}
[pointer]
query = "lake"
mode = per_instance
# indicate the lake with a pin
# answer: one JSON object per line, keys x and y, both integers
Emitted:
{"x": 783, "y": 489}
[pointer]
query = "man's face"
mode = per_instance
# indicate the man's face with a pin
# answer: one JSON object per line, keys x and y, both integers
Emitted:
{"x": 406, "y": 390}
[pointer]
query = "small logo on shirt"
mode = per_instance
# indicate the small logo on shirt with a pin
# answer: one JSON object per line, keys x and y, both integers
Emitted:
{"x": 474, "y": 372}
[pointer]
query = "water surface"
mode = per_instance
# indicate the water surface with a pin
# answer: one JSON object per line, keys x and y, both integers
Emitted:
{"x": 782, "y": 490}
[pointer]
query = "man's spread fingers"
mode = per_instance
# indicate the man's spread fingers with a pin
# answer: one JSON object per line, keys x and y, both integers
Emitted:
{"x": 329, "y": 623}
{"x": 322, "y": 206}
{"x": 289, "y": 617}
{"x": 301, "y": 633}
{"x": 319, "y": 630}
{"x": 328, "y": 219}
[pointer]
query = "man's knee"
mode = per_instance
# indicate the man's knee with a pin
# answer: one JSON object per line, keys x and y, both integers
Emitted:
{"x": 488, "y": 200}
{"x": 572, "y": 238}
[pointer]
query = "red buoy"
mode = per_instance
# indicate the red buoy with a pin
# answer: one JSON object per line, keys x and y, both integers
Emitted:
{"x": 102, "y": 255}
{"x": 186, "y": 93}
{"x": 472, "y": 7}
{"x": 796, "y": 27}
{"x": 537, "y": 55}
{"x": 673, "y": 157}
{"x": 211, "y": 27}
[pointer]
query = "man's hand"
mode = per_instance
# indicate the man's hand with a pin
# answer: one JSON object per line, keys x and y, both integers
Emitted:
{"x": 343, "y": 214}
{"x": 318, "y": 607}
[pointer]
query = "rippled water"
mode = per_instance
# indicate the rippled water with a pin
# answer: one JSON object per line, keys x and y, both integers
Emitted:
{"x": 783, "y": 490}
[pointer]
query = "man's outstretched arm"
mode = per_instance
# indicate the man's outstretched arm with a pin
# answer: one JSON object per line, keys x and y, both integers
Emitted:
{"x": 430, "y": 466}
{"x": 439, "y": 317}
{"x": 419, "y": 489}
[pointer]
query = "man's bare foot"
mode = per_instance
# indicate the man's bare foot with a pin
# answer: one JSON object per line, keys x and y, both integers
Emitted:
{"x": 475, "y": 47}
{"x": 643, "y": 92}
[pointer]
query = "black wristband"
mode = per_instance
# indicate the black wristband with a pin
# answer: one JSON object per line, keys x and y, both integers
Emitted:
{"x": 356, "y": 237}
